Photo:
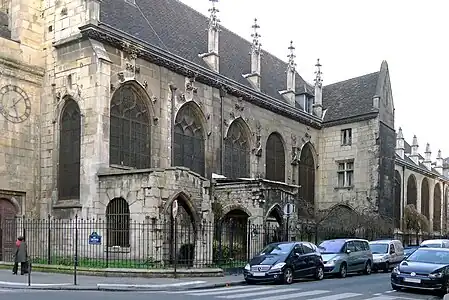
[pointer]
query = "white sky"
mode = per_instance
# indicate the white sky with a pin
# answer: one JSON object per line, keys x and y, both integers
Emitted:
{"x": 351, "y": 38}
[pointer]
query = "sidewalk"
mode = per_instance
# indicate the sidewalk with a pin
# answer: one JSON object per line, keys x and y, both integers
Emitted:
{"x": 48, "y": 281}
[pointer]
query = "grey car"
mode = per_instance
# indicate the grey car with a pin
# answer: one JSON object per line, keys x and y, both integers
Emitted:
{"x": 343, "y": 256}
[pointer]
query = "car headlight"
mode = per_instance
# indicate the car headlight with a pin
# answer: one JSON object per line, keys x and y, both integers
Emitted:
{"x": 396, "y": 271}
{"x": 278, "y": 266}
{"x": 383, "y": 258}
{"x": 436, "y": 275}
{"x": 247, "y": 267}
{"x": 331, "y": 262}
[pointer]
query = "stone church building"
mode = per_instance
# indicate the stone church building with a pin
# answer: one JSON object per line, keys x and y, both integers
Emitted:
{"x": 116, "y": 108}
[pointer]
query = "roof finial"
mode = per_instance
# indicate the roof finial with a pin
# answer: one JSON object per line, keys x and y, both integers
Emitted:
{"x": 318, "y": 80}
{"x": 291, "y": 57}
{"x": 213, "y": 20}
{"x": 256, "y": 44}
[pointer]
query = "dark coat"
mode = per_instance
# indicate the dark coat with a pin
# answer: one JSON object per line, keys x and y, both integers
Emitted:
{"x": 21, "y": 253}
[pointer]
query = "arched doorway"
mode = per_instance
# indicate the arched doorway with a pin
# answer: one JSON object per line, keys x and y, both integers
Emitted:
{"x": 118, "y": 223}
{"x": 274, "y": 225}
{"x": 231, "y": 242}
{"x": 8, "y": 230}
{"x": 184, "y": 230}
{"x": 425, "y": 195}
{"x": 397, "y": 199}
{"x": 437, "y": 208}
{"x": 412, "y": 191}
{"x": 306, "y": 182}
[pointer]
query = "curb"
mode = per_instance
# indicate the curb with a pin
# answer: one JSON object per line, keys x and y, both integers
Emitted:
{"x": 115, "y": 287}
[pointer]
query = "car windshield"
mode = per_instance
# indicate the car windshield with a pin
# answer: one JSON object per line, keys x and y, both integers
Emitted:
{"x": 276, "y": 249}
{"x": 438, "y": 245}
{"x": 429, "y": 256}
{"x": 379, "y": 248}
{"x": 331, "y": 246}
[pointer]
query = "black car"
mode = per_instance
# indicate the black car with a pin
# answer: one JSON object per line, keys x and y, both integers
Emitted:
{"x": 425, "y": 269}
{"x": 285, "y": 261}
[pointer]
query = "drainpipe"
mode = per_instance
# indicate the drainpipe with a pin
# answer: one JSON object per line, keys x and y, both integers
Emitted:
{"x": 222, "y": 128}
{"x": 172, "y": 122}
{"x": 403, "y": 191}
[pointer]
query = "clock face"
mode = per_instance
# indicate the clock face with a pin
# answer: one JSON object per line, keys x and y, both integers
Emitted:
{"x": 15, "y": 105}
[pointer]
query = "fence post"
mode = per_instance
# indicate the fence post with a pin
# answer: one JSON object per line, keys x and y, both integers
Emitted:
{"x": 248, "y": 247}
{"x": 49, "y": 239}
{"x": 75, "y": 258}
{"x": 175, "y": 230}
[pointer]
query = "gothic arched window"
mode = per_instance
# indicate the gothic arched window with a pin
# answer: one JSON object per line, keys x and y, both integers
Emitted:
{"x": 189, "y": 140}
{"x": 275, "y": 158}
{"x": 130, "y": 132}
{"x": 69, "y": 152}
{"x": 307, "y": 178}
{"x": 236, "y": 152}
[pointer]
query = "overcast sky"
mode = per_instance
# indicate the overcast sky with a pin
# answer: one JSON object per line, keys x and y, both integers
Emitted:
{"x": 351, "y": 38}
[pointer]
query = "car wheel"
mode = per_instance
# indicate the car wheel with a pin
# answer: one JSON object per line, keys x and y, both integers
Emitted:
{"x": 319, "y": 273}
{"x": 395, "y": 287}
{"x": 367, "y": 270}
{"x": 343, "y": 271}
{"x": 288, "y": 276}
{"x": 387, "y": 267}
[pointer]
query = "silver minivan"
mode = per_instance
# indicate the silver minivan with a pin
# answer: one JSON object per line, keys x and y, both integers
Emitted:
{"x": 386, "y": 254}
{"x": 343, "y": 256}
{"x": 436, "y": 243}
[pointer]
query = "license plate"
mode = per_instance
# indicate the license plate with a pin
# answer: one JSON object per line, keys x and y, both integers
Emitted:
{"x": 258, "y": 274}
{"x": 412, "y": 280}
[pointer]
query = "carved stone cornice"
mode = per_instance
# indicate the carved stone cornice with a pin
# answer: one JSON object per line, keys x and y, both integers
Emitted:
{"x": 109, "y": 35}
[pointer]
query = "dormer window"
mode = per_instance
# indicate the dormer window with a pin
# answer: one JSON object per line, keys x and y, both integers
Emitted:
{"x": 308, "y": 105}
{"x": 346, "y": 137}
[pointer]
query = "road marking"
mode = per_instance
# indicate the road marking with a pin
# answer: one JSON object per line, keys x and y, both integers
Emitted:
{"x": 382, "y": 297}
{"x": 391, "y": 291}
{"x": 208, "y": 290}
{"x": 296, "y": 295}
{"x": 6, "y": 290}
{"x": 338, "y": 296}
{"x": 33, "y": 284}
{"x": 210, "y": 293}
{"x": 113, "y": 285}
{"x": 275, "y": 291}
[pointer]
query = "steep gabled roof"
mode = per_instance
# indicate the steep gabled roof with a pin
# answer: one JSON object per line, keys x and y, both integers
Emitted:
{"x": 350, "y": 98}
{"x": 181, "y": 30}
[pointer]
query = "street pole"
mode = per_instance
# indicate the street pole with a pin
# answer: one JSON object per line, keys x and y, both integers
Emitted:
{"x": 175, "y": 230}
{"x": 286, "y": 228}
{"x": 75, "y": 258}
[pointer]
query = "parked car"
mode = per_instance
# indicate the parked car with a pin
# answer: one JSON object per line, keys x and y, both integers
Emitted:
{"x": 409, "y": 250}
{"x": 436, "y": 243}
{"x": 284, "y": 262}
{"x": 386, "y": 254}
{"x": 426, "y": 269}
{"x": 343, "y": 256}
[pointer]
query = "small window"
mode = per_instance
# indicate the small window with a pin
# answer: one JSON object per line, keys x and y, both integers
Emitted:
{"x": 345, "y": 174}
{"x": 350, "y": 246}
{"x": 307, "y": 248}
{"x": 358, "y": 246}
{"x": 346, "y": 137}
{"x": 365, "y": 246}
{"x": 392, "y": 250}
{"x": 297, "y": 249}
{"x": 308, "y": 105}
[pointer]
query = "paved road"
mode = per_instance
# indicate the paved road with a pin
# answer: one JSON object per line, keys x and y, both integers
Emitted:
{"x": 373, "y": 287}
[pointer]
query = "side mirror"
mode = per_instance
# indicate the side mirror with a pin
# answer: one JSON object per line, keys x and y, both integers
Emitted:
{"x": 297, "y": 254}
{"x": 348, "y": 251}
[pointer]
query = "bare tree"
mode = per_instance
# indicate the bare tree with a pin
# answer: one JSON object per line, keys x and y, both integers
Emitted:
{"x": 414, "y": 220}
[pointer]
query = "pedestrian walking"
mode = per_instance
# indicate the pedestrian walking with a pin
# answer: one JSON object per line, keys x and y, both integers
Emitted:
{"x": 20, "y": 256}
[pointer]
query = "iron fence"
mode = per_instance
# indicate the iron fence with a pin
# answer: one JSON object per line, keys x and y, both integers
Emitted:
{"x": 151, "y": 244}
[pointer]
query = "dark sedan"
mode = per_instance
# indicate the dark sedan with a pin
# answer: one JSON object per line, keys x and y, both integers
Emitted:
{"x": 284, "y": 262}
{"x": 424, "y": 269}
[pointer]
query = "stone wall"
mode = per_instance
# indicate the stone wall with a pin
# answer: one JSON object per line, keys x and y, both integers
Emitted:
{"x": 365, "y": 153}
{"x": 21, "y": 78}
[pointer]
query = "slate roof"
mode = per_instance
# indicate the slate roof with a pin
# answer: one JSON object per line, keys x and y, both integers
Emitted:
{"x": 4, "y": 30}
{"x": 350, "y": 98}
{"x": 181, "y": 30}
{"x": 407, "y": 150}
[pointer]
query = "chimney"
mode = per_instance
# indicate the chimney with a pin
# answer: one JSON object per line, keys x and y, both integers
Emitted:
{"x": 254, "y": 77}
{"x": 400, "y": 144}
{"x": 414, "y": 155}
{"x": 439, "y": 163}
{"x": 318, "y": 105}
{"x": 428, "y": 159}
{"x": 211, "y": 57}
{"x": 93, "y": 11}
{"x": 290, "y": 93}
